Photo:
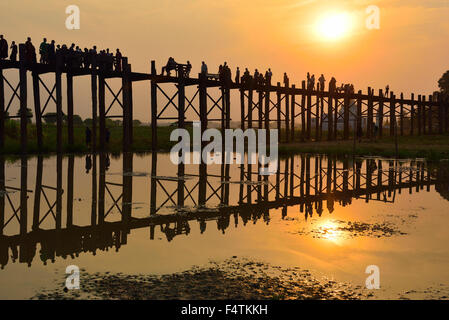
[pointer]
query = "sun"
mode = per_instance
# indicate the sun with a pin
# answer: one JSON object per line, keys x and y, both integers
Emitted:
{"x": 334, "y": 26}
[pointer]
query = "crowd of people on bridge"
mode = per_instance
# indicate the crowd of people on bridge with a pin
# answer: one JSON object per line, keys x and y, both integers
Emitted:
{"x": 71, "y": 56}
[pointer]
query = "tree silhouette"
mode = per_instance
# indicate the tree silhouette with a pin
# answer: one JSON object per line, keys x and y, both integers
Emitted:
{"x": 443, "y": 84}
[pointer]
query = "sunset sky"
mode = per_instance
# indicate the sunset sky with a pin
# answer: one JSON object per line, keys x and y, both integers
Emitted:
{"x": 409, "y": 52}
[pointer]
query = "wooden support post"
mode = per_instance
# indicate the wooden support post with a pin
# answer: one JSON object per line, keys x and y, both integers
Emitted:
{"x": 23, "y": 198}
{"x": 250, "y": 104}
{"x": 154, "y": 142}
{"x": 401, "y": 120}
{"x": 358, "y": 128}
{"x": 287, "y": 112}
{"x": 58, "y": 83}
{"x": 70, "y": 133}
{"x": 101, "y": 178}
{"x": 59, "y": 192}
{"x": 346, "y": 115}
{"x": 380, "y": 113}
{"x": 423, "y": 114}
{"x": 93, "y": 81}
{"x": 182, "y": 99}
{"x": 23, "y": 99}
{"x": 203, "y": 102}
{"x": 278, "y": 108}
{"x": 321, "y": 112}
{"x": 102, "y": 113}
{"x": 2, "y": 110}
{"x": 126, "y": 97}
{"x": 317, "y": 114}
{"x": 370, "y": 122}
{"x": 70, "y": 176}
{"x": 293, "y": 115}
{"x": 430, "y": 114}
{"x": 330, "y": 108}
{"x": 267, "y": 112}
{"x": 335, "y": 131}
{"x": 419, "y": 115}
{"x": 131, "y": 108}
{"x": 440, "y": 115}
{"x": 260, "y": 109}
{"x": 412, "y": 115}
{"x": 393, "y": 121}
{"x": 37, "y": 194}
{"x": 303, "y": 113}
{"x": 153, "y": 191}
{"x": 309, "y": 114}
{"x": 93, "y": 213}
{"x": 242, "y": 107}
{"x": 37, "y": 109}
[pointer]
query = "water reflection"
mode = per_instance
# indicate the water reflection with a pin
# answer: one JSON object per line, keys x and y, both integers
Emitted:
{"x": 203, "y": 194}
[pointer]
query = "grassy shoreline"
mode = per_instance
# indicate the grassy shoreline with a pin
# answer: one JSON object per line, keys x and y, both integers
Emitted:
{"x": 431, "y": 147}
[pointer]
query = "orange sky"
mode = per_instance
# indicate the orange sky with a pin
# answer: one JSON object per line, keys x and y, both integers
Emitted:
{"x": 409, "y": 52}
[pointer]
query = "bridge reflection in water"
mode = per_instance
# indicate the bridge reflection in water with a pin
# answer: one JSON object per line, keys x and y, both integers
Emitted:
{"x": 235, "y": 193}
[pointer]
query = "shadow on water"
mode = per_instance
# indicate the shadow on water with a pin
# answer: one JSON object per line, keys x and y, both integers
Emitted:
{"x": 193, "y": 194}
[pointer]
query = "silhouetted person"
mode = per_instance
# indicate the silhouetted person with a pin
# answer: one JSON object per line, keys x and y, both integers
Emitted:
{"x": 88, "y": 136}
{"x": 171, "y": 65}
{"x": 204, "y": 68}
{"x": 43, "y": 51}
{"x": 286, "y": 80}
{"x": 268, "y": 76}
{"x": 387, "y": 90}
{"x": 88, "y": 163}
{"x": 118, "y": 61}
{"x": 30, "y": 51}
{"x": 237, "y": 75}
{"x": 3, "y": 48}
{"x": 188, "y": 69}
{"x": 332, "y": 84}
{"x": 13, "y": 56}
{"x": 51, "y": 52}
{"x": 322, "y": 82}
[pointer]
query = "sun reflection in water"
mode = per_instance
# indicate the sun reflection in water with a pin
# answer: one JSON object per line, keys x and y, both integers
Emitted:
{"x": 329, "y": 230}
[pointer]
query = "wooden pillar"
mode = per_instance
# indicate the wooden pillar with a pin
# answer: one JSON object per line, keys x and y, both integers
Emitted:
{"x": 260, "y": 108}
{"x": 267, "y": 112}
{"x": 370, "y": 114}
{"x": 401, "y": 120}
{"x": 346, "y": 115}
{"x": 335, "y": 131}
{"x": 59, "y": 191}
{"x": 423, "y": 114}
{"x": 430, "y": 114}
{"x": 393, "y": 122}
{"x": 278, "y": 108}
{"x": 102, "y": 113}
{"x": 101, "y": 182}
{"x": 287, "y": 112}
{"x": 303, "y": 112}
{"x": 2, "y": 198}
{"x": 419, "y": 121}
{"x": 250, "y": 104}
{"x": 242, "y": 106}
{"x": 309, "y": 114}
{"x": 2, "y": 110}
{"x": 23, "y": 99}
{"x": 412, "y": 115}
{"x": 93, "y": 213}
{"x": 23, "y": 196}
{"x": 59, "y": 120}
{"x": 358, "y": 127}
{"x": 37, "y": 109}
{"x": 93, "y": 81}
{"x": 392, "y": 115}
{"x": 203, "y": 102}
{"x": 330, "y": 108}
{"x": 70, "y": 133}
{"x": 293, "y": 115}
{"x": 37, "y": 193}
{"x": 70, "y": 176}
{"x": 131, "y": 108}
{"x": 153, "y": 191}
{"x": 154, "y": 142}
{"x": 317, "y": 114}
{"x": 440, "y": 114}
{"x": 126, "y": 97}
{"x": 380, "y": 113}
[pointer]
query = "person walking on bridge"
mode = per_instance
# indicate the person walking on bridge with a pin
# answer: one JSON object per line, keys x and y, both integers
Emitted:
{"x": 3, "y": 48}
{"x": 322, "y": 82}
{"x": 237, "y": 75}
{"x": 30, "y": 52}
{"x": 203, "y": 68}
{"x": 118, "y": 61}
{"x": 13, "y": 56}
{"x": 43, "y": 51}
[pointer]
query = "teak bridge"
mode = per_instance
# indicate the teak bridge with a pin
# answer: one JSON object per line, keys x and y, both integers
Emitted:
{"x": 302, "y": 113}
{"x": 34, "y": 215}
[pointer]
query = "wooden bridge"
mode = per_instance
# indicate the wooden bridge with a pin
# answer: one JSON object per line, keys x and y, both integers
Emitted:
{"x": 239, "y": 196}
{"x": 301, "y": 113}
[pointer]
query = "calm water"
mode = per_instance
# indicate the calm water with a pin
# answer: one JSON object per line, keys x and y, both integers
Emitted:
{"x": 143, "y": 215}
